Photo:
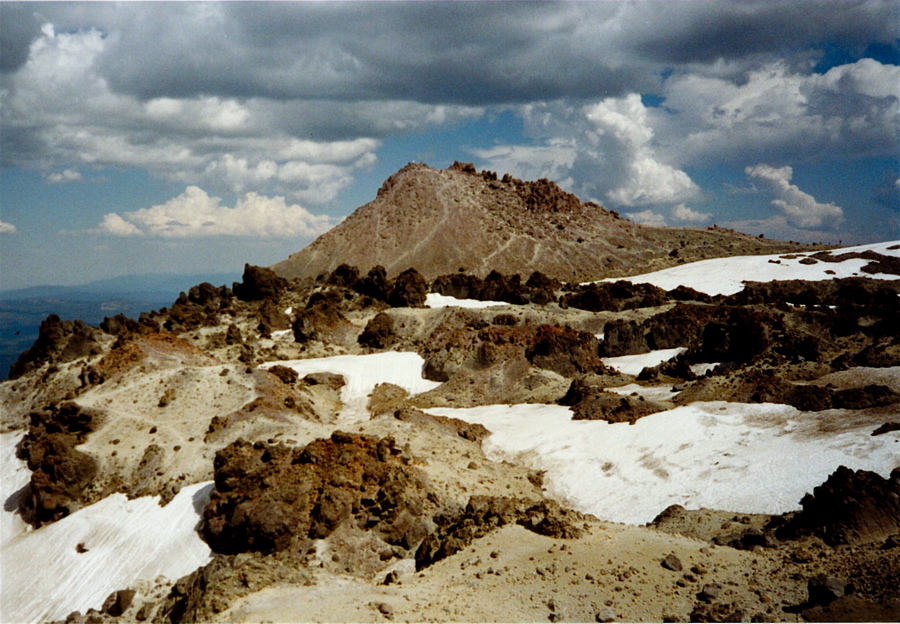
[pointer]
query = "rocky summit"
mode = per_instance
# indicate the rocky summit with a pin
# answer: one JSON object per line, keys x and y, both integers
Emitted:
{"x": 368, "y": 433}
{"x": 459, "y": 219}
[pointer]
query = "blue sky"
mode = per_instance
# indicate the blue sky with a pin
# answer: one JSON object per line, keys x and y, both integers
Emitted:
{"x": 191, "y": 137}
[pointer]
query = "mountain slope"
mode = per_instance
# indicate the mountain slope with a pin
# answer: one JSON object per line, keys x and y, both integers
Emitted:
{"x": 438, "y": 221}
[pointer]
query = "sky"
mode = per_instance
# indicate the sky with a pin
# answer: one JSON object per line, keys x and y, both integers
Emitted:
{"x": 190, "y": 137}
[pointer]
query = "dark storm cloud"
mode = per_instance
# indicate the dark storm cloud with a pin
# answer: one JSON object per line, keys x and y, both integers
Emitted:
{"x": 702, "y": 32}
{"x": 296, "y": 97}
{"x": 458, "y": 52}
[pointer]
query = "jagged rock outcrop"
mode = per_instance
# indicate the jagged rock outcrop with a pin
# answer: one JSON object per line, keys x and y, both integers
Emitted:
{"x": 439, "y": 221}
{"x": 615, "y": 297}
{"x": 538, "y": 289}
{"x": 259, "y": 283}
{"x": 59, "y": 341}
{"x": 268, "y": 496}
{"x": 60, "y": 473}
{"x": 484, "y": 514}
{"x": 463, "y": 343}
{"x": 564, "y": 350}
{"x": 851, "y": 507}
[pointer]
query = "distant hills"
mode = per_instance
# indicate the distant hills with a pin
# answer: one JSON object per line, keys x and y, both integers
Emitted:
{"x": 441, "y": 221}
{"x": 22, "y": 310}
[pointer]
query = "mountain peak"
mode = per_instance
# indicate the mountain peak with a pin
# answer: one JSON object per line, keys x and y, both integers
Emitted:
{"x": 439, "y": 221}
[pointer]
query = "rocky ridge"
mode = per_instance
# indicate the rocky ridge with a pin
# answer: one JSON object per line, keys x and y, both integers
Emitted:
{"x": 438, "y": 221}
{"x": 392, "y": 508}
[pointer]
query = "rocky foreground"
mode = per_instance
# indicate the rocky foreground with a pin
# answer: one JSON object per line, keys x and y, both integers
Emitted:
{"x": 323, "y": 510}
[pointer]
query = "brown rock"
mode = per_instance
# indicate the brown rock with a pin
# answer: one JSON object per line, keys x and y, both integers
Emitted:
{"x": 851, "y": 507}
{"x": 268, "y": 496}
{"x": 118, "y": 602}
{"x": 259, "y": 283}
{"x": 671, "y": 562}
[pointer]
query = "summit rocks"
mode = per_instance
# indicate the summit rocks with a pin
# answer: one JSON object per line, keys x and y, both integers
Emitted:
{"x": 439, "y": 221}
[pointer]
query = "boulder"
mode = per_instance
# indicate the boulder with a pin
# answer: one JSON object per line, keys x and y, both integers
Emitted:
{"x": 564, "y": 350}
{"x": 61, "y": 473}
{"x": 259, "y": 283}
{"x": 379, "y": 332}
{"x": 268, "y": 497}
{"x": 408, "y": 291}
{"x": 851, "y": 507}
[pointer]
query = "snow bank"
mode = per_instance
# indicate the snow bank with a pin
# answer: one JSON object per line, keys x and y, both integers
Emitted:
{"x": 434, "y": 300}
{"x": 634, "y": 364}
{"x": 726, "y": 276}
{"x": 653, "y": 393}
{"x": 46, "y": 578}
{"x": 362, "y": 373}
{"x": 759, "y": 458}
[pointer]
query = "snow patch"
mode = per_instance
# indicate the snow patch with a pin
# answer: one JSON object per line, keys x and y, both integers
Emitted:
{"x": 435, "y": 300}
{"x": 46, "y": 578}
{"x": 634, "y": 364}
{"x": 653, "y": 393}
{"x": 759, "y": 458}
{"x": 726, "y": 276}
{"x": 362, "y": 373}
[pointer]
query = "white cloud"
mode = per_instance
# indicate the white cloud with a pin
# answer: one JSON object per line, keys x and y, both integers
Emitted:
{"x": 777, "y": 111}
{"x": 194, "y": 214}
{"x": 684, "y": 214}
{"x": 68, "y": 175}
{"x": 531, "y": 162}
{"x": 7, "y": 228}
{"x": 646, "y": 217}
{"x": 778, "y": 227}
{"x": 800, "y": 209}
{"x": 63, "y": 110}
{"x": 602, "y": 149}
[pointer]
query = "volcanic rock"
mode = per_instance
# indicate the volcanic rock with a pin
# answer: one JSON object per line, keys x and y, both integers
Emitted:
{"x": 268, "y": 496}
{"x": 379, "y": 332}
{"x": 439, "y": 221}
{"x": 259, "y": 283}
{"x": 851, "y": 507}
{"x": 564, "y": 350}
{"x": 60, "y": 473}
{"x": 484, "y": 514}
{"x": 59, "y": 341}
{"x": 408, "y": 290}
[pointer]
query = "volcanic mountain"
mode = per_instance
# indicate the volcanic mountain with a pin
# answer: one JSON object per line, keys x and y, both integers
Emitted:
{"x": 441, "y": 221}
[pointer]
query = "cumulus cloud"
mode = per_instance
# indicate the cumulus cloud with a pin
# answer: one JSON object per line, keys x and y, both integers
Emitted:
{"x": 778, "y": 227}
{"x": 61, "y": 177}
{"x": 646, "y": 217}
{"x": 605, "y": 150}
{"x": 59, "y": 108}
{"x": 800, "y": 209}
{"x": 647, "y": 180}
{"x": 778, "y": 111}
{"x": 7, "y": 228}
{"x": 194, "y": 214}
{"x": 683, "y": 214}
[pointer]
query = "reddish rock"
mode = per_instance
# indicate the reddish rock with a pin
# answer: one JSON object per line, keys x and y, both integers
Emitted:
{"x": 266, "y": 496}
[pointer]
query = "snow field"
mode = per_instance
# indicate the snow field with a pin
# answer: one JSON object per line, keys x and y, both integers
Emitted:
{"x": 46, "y": 578}
{"x": 634, "y": 364}
{"x": 759, "y": 458}
{"x": 362, "y": 373}
{"x": 435, "y": 300}
{"x": 726, "y": 276}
